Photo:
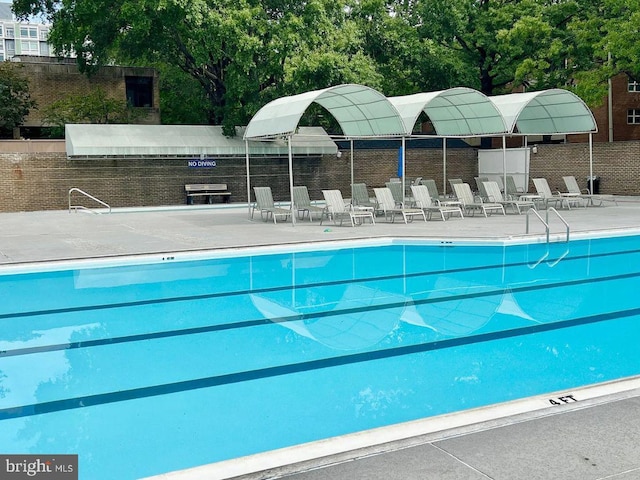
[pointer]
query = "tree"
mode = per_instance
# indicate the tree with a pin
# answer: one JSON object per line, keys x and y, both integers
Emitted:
{"x": 95, "y": 107}
{"x": 15, "y": 99}
{"x": 507, "y": 43}
{"x": 243, "y": 53}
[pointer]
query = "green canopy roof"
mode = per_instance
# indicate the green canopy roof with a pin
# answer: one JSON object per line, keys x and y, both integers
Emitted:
{"x": 456, "y": 112}
{"x": 361, "y": 112}
{"x": 547, "y": 112}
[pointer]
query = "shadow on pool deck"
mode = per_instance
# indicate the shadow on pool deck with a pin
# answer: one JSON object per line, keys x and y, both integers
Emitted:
{"x": 593, "y": 439}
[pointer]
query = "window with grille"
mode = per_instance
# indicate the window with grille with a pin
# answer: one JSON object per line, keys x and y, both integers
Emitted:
{"x": 633, "y": 116}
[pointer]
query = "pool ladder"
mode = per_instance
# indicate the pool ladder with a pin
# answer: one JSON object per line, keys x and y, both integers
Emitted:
{"x": 81, "y": 207}
{"x": 545, "y": 222}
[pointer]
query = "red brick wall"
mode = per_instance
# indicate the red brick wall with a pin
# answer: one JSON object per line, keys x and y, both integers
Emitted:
{"x": 35, "y": 180}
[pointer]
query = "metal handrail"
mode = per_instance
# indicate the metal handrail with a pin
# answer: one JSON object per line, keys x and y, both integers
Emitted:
{"x": 561, "y": 219}
{"x": 81, "y": 207}
{"x": 546, "y": 222}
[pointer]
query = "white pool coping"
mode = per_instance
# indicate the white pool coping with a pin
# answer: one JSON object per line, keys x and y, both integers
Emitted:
{"x": 277, "y": 463}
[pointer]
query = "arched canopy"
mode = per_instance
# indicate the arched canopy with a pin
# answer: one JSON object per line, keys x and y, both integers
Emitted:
{"x": 361, "y": 112}
{"x": 547, "y": 112}
{"x": 456, "y": 112}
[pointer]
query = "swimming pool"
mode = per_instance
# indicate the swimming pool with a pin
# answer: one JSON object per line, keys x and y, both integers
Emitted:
{"x": 144, "y": 369}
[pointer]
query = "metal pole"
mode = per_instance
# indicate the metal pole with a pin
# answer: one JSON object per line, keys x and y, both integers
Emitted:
{"x": 591, "y": 162}
{"x": 246, "y": 148}
{"x": 293, "y": 217}
{"x": 444, "y": 165}
{"x": 351, "y": 158}
{"x": 403, "y": 165}
{"x": 504, "y": 163}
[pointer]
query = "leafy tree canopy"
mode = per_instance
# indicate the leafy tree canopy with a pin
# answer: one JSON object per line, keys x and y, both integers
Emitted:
{"x": 95, "y": 107}
{"x": 15, "y": 99}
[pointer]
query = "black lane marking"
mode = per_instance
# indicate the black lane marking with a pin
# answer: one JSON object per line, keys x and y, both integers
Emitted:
{"x": 262, "y": 373}
{"x": 205, "y": 296}
{"x": 292, "y": 318}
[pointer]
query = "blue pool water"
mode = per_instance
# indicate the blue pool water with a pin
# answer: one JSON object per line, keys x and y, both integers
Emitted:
{"x": 143, "y": 369}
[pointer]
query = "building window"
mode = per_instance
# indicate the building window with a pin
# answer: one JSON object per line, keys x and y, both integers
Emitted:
{"x": 44, "y": 49}
{"x": 29, "y": 47}
{"x": 633, "y": 116}
{"x": 10, "y": 46}
{"x": 1, "y": 31}
{"x": 28, "y": 32}
{"x": 9, "y": 32}
{"x": 139, "y": 91}
{"x": 44, "y": 34}
{"x": 633, "y": 86}
{"x": 1, "y": 57}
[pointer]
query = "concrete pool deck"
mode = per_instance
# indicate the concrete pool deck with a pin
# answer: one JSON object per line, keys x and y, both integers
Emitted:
{"x": 596, "y": 437}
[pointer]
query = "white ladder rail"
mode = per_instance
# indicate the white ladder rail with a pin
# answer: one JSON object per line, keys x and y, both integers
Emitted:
{"x": 82, "y": 207}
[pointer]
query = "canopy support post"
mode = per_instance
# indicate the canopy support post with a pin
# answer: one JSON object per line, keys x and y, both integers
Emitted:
{"x": 504, "y": 164}
{"x": 351, "y": 158}
{"x": 590, "y": 163}
{"x": 246, "y": 153}
{"x": 444, "y": 166}
{"x": 403, "y": 166}
{"x": 293, "y": 217}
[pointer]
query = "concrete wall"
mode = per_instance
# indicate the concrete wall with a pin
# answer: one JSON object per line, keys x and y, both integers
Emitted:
{"x": 38, "y": 176}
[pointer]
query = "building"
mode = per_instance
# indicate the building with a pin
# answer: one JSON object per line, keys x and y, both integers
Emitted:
{"x": 53, "y": 79}
{"x": 22, "y": 38}
{"x": 618, "y": 117}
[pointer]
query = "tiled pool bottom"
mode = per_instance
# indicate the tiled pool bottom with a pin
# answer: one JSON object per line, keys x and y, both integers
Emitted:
{"x": 170, "y": 355}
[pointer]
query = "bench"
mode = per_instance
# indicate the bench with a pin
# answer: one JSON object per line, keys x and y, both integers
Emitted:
{"x": 208, "y": 190}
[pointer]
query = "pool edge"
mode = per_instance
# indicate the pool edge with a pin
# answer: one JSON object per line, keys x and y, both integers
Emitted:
{"x": 299, "y": 458}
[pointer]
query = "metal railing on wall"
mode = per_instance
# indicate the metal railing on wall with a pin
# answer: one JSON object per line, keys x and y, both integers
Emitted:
{"x": 82, "y": 207}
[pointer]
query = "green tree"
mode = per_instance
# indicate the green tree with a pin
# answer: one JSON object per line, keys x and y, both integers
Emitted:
{"x": 507, "y": 43}
{"x": 243, "y": 53}
{"x": 15, "y": 99}
{"x": 95, "y": 107}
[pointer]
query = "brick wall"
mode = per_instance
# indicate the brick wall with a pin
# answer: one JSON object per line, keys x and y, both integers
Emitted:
{"x": 50, "y": 82}
{"x": 40, "y": 180}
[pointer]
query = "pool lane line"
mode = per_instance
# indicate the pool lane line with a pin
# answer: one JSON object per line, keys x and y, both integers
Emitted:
{"x": 298, "y": 317}
{"x": 207, "y": 296}
{"x": 279, "y": 370}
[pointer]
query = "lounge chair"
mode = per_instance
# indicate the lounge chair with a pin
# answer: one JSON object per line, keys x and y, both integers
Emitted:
{"x": 360, "y": 196}
{"x": 495, "y": 195}
{"x": 423, "y": 200}
{"x": 512, "y": 191}
{"x": 396, "y": 192}
{"x": 480, "y": 184}
{"x": 573, "y": 188}
{"x": 338, "y": 210}
{"x": 542, "y": 187}
{"x": 264, "y": 203}
{"x": 471, "y": 204}
{"x": 388, "y": 204}
{"x": 302, "y": 203}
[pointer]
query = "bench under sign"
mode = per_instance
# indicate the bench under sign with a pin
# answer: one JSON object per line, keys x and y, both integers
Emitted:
{"x": 208, "y": 190}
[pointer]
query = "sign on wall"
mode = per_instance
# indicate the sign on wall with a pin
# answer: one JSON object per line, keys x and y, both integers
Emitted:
{"x": 202, "y": 162}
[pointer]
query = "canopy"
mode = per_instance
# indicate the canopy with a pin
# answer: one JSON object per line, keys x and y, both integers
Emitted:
{"x": 547, "y": 112}
{"x": 456, "y": 112}
{"x": 170, "y": 141}
{"x": 361, "y": 112}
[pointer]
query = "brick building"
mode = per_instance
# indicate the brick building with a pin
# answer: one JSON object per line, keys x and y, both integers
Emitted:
{"x": 52, "y": 79}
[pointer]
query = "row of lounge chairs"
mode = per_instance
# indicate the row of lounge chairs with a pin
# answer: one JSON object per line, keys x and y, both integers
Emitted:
{"x": 424, "y": 201}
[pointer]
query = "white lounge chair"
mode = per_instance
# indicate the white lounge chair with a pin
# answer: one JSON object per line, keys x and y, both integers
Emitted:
{"x": 389, "y": 206}
{"x": 424, "y": 201}
{"x": 471, "y": 204}
{"x": 360, "y": 196}
{"x": 495, "y": 195}
{"x": 266, "y": 205}
{"x": 337, "y": 209}
{"x": 542, "y": 187}
{"x": 302, "y": 203}
{"x": 572, "y": 187}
